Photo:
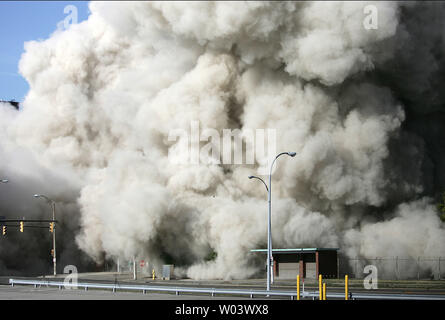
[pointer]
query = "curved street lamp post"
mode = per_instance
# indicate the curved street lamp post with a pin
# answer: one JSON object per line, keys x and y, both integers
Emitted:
{"x": 269, "y": 226}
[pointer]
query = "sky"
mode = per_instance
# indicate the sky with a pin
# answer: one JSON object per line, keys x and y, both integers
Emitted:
{"x": 22, "y": 21}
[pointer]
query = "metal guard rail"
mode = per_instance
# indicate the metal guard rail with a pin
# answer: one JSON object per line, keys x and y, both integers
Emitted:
{"x": 252, "y": 293}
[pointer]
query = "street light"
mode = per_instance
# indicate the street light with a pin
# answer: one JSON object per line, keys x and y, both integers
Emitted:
{"x": 255, "y": 177}
{"x": 4, "y": 181}
{"x": 53, "y": 207}
{"x": 269, "y": 226}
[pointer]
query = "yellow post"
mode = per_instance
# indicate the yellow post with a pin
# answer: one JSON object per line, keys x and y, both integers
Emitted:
{"x": 324, "y": 291}
{"x": 346, "y": 287}
{"x": 320, "y": 292}
{"x": 153, "y": 272}
{"x": 298, "y": 287}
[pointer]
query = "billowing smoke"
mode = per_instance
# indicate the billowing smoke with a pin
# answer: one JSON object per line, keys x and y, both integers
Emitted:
{"x": 362, "y": 107}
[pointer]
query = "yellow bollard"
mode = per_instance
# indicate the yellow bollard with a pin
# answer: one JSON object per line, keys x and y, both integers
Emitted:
{"x": 346, "y": 287}
{"x": 153, "y": 272}
{"x": 324, "y": 291}
{"x": 320, "y": 292}
{"x": 298, "y": 287}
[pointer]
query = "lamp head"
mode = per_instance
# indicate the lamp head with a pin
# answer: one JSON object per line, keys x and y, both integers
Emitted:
{"x": 292, "y": 154}
{"x": 4, "y": 180}
{"x": 251, "y": 177}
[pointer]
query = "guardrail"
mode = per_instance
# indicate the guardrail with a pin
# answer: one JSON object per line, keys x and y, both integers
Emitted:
{"x": 213, "y": 291}
{"x": 144, "y": 289}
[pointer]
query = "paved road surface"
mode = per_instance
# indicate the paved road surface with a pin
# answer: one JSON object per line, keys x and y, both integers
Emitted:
{"x": 29, "y": 292}
{"x": 43, "y": 293}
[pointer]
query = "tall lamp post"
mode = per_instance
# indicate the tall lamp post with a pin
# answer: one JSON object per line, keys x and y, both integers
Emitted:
{"x": 269, "y": 225}
{"x": 53, "y": 207}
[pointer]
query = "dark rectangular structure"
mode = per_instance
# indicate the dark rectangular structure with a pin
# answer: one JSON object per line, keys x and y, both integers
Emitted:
{"x": 308, "y": 262}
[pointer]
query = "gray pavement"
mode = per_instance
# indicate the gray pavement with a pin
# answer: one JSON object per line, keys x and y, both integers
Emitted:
{"x": 433, "y": 288}
{"x": 31, "y": 293}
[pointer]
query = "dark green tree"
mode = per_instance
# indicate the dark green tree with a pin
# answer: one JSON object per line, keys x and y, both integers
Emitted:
{"x": 211, "y": 256}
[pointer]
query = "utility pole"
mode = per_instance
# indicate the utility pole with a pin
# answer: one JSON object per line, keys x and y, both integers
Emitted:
{"x": 53, "y": 208}
{"x": 53, "y": 205}
{"x": 269, "y": 220}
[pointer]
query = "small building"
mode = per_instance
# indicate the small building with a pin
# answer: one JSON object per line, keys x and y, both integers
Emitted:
{"x": 308, "y": 262}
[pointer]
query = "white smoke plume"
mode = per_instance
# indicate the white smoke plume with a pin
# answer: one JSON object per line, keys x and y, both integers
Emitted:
{"x": 361, "y": 107}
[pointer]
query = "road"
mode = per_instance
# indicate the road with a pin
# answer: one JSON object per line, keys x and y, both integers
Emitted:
{"x": 31, "y": 293}
{"x": 431, "y": 288}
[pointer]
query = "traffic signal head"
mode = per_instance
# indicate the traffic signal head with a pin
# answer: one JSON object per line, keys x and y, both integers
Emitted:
{"x": 52, "y": 252}
{"x": 4, "y": 230}
{"x": 51, "y": 227}
{"x": 21, "y": 226}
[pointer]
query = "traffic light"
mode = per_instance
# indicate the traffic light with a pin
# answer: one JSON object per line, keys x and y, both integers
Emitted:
{"x": 52, "y": 252}
{"x": 51, "y": 227}
{"x": 4, "y": 230}
{"x": 21, "y": 226}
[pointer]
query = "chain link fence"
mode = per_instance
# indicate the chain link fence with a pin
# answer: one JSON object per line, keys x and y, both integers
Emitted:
{"x": 395, "y": 268}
